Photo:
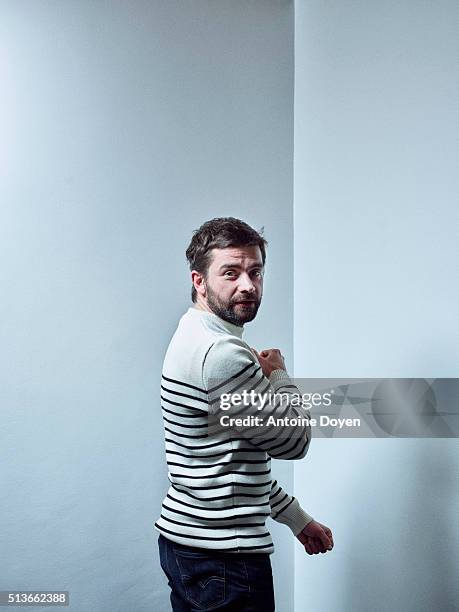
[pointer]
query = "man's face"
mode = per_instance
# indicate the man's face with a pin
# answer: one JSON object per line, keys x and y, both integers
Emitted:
{"x": 234, "y": 284}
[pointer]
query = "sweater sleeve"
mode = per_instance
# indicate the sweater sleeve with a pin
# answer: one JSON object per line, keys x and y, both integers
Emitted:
{"x": 286, "y": 509}
{"x": 231, "y": 370}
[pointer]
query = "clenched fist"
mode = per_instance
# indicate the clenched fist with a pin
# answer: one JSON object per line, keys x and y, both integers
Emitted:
{"x": 270, "y": 360}
{"x": 316, "y": 538}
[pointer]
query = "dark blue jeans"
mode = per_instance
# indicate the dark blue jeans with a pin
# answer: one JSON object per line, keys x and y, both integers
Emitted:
{"x": 203, "y": 579}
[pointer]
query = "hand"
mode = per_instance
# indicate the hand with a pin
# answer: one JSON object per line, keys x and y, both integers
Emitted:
{"x": 270, "y": 360}
{"x": 316, "y": 538}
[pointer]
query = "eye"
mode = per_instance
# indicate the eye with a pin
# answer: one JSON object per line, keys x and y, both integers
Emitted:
{"x": 258, "y": 273}
{"x": 229, "y": 273}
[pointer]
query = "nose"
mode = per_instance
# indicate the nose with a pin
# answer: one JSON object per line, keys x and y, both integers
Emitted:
{"x": 246, "y": 284}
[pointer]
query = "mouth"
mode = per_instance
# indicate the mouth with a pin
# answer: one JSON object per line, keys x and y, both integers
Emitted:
{"x": 246, "y": 302}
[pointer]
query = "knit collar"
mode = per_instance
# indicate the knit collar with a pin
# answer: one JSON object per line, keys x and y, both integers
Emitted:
{"x": 216, "y": 322}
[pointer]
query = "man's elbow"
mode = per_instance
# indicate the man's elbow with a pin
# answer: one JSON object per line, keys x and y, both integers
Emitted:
{"x": 302, "y": 451}
{"x": 297, "y": 451}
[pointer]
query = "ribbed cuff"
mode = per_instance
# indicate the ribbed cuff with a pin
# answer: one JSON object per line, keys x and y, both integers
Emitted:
{"x": 278, "y": 378}
{"x": 294, "y": 517}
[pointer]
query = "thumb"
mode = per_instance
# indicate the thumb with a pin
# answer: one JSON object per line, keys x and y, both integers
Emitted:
{"x": 325, "y": 539}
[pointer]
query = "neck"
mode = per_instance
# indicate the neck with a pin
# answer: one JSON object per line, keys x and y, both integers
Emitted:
{"x": 202, "y": 305}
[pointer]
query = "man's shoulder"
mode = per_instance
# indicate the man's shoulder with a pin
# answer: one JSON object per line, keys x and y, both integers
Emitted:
{"x": 192, "y": 334}
{"x": 226, "y": 357}
{"x": 190, "y": 346}
{"x": 201, "y": 353}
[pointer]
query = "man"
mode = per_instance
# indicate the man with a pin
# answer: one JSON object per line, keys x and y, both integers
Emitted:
{"x": 214, "y": 545}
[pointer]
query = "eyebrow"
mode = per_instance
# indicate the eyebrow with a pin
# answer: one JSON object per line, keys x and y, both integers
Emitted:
{"x": 236, "y": 265}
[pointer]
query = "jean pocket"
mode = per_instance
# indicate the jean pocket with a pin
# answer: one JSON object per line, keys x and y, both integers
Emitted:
{"x": 203, "y": 578}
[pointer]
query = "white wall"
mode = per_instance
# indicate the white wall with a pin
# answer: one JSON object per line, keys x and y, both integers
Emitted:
{"x": 376, "y": 294}
{"x": 124, "y": 126}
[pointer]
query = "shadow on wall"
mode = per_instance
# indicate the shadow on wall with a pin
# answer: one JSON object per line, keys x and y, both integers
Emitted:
{"x": 408, "y": 561}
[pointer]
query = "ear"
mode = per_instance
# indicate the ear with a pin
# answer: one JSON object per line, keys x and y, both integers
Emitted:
{"x": 199, "y": 283}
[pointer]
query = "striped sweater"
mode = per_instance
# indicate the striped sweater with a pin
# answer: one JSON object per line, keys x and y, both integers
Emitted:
{"x": 221, "y": 490}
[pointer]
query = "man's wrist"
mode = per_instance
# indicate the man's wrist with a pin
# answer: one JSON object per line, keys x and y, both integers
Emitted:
{"x": 278, "y": 376}
{"x": 294, "y": 517}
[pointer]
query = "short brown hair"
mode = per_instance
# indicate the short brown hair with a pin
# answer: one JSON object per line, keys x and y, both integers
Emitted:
{"x": 220, "y": 233}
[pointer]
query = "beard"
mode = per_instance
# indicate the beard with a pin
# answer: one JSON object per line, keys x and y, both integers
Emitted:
{"x": 231, "y": 311}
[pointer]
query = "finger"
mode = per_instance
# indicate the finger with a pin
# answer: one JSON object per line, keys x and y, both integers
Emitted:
{"x": 307, "y": 548}
{"x": 325, "y": 540}
{"x": 323, "y": 549}
{"x": 330, "y": 535}
{"x": 324, "y": 534}
{"x": 314, "y": 546}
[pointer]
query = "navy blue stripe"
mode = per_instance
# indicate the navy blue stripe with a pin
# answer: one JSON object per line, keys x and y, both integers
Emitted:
{"x": 193, "y": 397}
{"x": 285, "y": 507}
{"x": 213, "y": 508}
{"x": 178, "y": 382}
{"x": 241, "y": 535}
{"x": 225, "y": 382}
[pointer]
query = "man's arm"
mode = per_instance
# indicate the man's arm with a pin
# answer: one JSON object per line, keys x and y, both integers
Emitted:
{"x": 315, "y": 537}
{"x": 286, "y": 509}
{"x": 231, "y": 368}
